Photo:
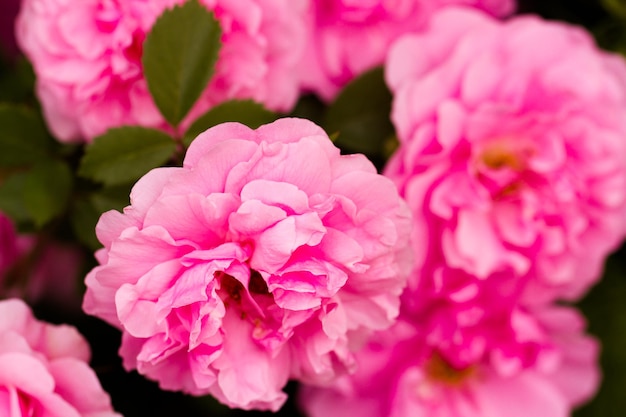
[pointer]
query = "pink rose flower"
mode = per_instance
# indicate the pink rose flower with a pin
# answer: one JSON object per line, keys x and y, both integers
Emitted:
{"x": 400, "y": 375}
{"x": 348, "y": 37}
{"x": 87, "y": 58}
{"x": 44, "y": 369}
{"x": 267, "y": 256}
{"x": 468, "y": 318}
{"x": 513, "y": 149}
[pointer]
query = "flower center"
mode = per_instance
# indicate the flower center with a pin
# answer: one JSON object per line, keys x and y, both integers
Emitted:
{"x": 498, "y": 157}
{"x": 439, "y": 370}
{"x": 252, "y": 302}
{"x": 255, "y": 305}
{"x": 232, "y": 290}
{"x": 257, "y": 284}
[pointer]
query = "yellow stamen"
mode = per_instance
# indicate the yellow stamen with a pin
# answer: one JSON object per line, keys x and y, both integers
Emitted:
{"x": 498, "y": 157}
{"x": 440, "y": 370}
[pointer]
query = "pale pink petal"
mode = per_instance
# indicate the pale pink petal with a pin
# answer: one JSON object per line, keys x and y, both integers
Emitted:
{"x": 267, "y": 256}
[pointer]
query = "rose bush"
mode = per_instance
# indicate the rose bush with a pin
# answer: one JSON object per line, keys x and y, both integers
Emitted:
{"x": 44, "y": 369}
{"x": 267, "y": 256}
{"x": 348, "y": 37}
{"x": 87, "y": 59}
{"x": 512, "y": 153}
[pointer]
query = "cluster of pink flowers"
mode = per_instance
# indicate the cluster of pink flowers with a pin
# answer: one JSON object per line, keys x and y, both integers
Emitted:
{"x": 87, "y": 58}
{"x": 87, "y": 54}
{"x": 512, "y": 158}
{"x": 431, "y": 290}
{"x": 347, "y": 37}
{"x": 268, "y": 255}
{"x": 44, "y": 369}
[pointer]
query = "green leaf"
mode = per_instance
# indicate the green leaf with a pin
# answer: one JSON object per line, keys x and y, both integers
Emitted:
{"x": 87, "y": 209}
{"x": 611, "y": 34}
{"x": 17, "y": 82}
{"x": 309, "y": 107}
{"x": 360, "y": 114}
{"x": 12, "y": 197}
{"x": 605, "y": 310}
{"x": 112, "y": 198}
{"x": 84, "y": 217}
{"x": 124, "y": 154}
{"x": 24, "y": 139}
{"x": 179, "y": 57}
{"x": 247, "y": 112}
{"x": 38, "y": 194}
{"x": 47, "y": 189}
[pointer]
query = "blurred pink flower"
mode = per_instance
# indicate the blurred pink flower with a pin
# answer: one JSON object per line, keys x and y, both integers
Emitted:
{"x": 37, "y": 269}
{"x": 348, "y": 37}
{"x": 512, "y": 149}
{"x": 55, "y": 276}
{"x": 400, "y": 375}
{"x": 12, "y": 246}
{"x": 267, "y": 256}
{"x": 44, "y": 369}
{"x": 467, "y": 318}
{"x": 87, "y": 58}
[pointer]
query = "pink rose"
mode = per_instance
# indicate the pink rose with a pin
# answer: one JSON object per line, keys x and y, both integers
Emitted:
{"x": 87, "y": 58}
{"x": 44, "y": 369}
{"x": 348, "y": 37}
{"x": 400, "y": 375}
{"x": 267, "y": 256}
{"x": 468, "y": 318}
{"x": 513, "y": 149}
